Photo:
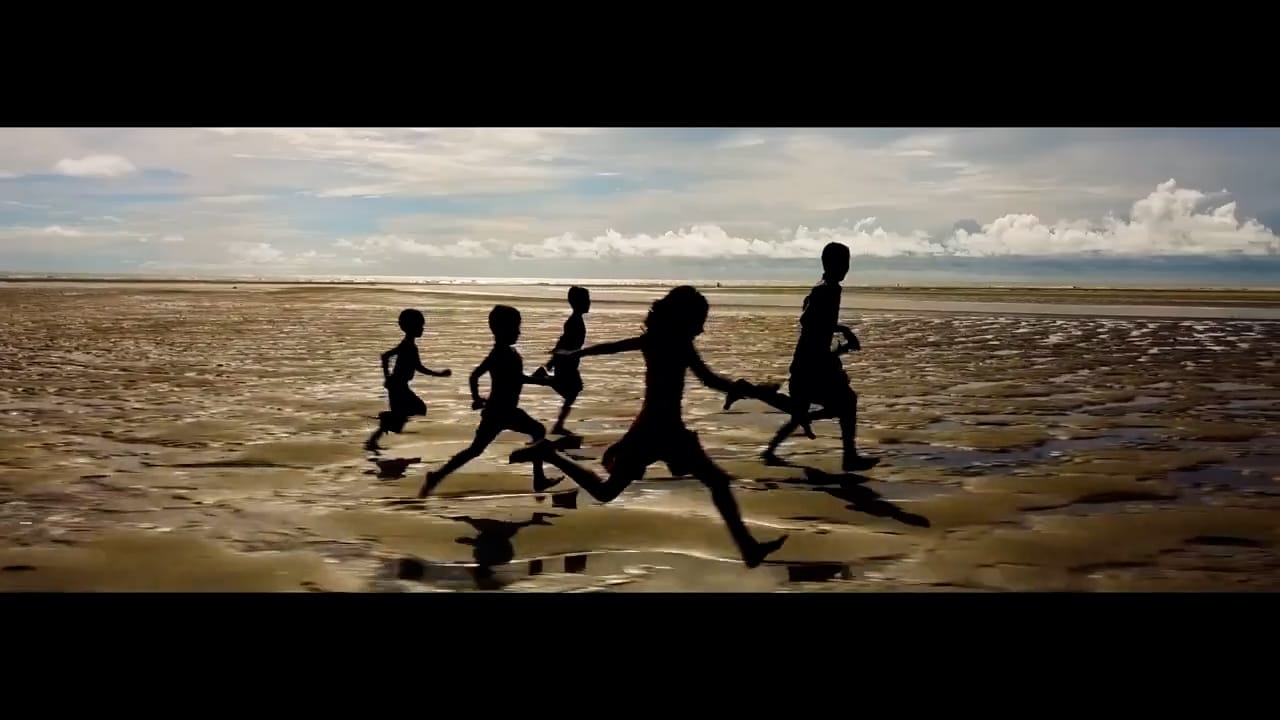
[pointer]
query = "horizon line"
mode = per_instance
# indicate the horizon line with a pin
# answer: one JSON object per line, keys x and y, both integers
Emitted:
{"x": 373, "y": 280}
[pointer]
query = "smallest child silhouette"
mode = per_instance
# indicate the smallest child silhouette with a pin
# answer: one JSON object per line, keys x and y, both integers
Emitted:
{"x": 566, "y": 379}
{"x": 404, "y": 404}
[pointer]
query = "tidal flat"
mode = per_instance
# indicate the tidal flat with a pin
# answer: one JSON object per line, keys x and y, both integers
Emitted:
{"x": 207, "y": 437}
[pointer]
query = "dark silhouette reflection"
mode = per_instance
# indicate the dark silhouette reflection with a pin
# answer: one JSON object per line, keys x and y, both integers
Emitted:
{"x": 492, "y": 544}
{"x": 410, "y": 569}
{"x": 404, "y": 404}
{"x": 565, "y": 500}
{"x": 392, "y": 468}
{"x": 817, "y": 376}
{"x": 865, "y": 500}
{"x": 658, "y": 434}
{"x": 566, "y": 380}
{"x": 817, "y": 572}
{"x": 501, "y": 411}
{"x": 575, "y": 564}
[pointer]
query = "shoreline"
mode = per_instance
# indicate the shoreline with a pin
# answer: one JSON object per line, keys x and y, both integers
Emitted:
{"x": 1206, "y": 304}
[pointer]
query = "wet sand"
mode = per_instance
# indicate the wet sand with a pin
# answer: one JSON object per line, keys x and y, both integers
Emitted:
{"x": 207, "y": 437}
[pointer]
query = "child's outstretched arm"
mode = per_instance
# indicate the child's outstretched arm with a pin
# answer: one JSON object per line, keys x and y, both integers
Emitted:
{"x": 712, "y": 380}
{"x": 539, "y": 377}
{"x": 434, "y": 373}
{"x": 477, "y": 402}
{"x": 609, "y": 348}
{"x": 848, "y": 335}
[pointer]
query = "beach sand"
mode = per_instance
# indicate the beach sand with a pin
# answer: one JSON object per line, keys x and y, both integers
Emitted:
{"x": 208, "y": 438}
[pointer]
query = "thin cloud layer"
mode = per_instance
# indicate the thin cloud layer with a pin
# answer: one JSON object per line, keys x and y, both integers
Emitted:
{"x": 382, "y": 245}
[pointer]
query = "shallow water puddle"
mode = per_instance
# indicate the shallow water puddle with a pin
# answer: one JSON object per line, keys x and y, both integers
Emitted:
{"x": 621, "y": 571}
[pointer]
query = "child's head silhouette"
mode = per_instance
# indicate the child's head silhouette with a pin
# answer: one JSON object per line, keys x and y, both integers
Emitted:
{"x": 412, "y": 322}
{"x": 681, "y": 313}
{"x": 504, "y": 322}
{"x": 835, "y": 261}
{"x": 579, "y": 299}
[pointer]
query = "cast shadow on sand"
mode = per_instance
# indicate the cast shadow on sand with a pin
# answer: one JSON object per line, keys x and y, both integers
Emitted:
{"x": 391, "y": 468}
{"x": 851, "y": 488}
{"x": 865, "y": 500}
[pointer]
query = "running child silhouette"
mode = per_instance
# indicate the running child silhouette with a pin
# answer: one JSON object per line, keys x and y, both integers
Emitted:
{"x": 565, "y": 378}
{"x": 658, "y": 433}
{"x": 502, "y": 409}
{"x": 404, "y": 404}
{"x": 817, "y": 376}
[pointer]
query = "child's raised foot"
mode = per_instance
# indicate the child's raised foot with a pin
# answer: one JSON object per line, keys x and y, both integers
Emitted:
{"x": 372, "y": 447}
{"x": 807, "y": 429}
{"x": 771, "y": 459}
{"x": 568, "y": 441}
{"x": 544, "y": 483}
{"x": 532, "y": 451}
{"x": 428, "y": 485}
{"x": 756, "y": 555}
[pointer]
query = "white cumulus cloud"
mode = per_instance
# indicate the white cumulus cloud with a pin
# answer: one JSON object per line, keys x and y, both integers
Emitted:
{"x": 258, "y": 253}
{"x": 712, "y": 241}
{"x": 95, "y": 166}
{"x": 1169, "y": 221}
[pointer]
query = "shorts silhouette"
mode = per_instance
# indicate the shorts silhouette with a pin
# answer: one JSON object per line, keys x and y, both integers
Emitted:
{"x": 645, "y": 444}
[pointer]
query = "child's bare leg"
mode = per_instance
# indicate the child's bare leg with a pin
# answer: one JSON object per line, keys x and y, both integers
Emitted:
{"x": 521, "y": 422}
{"x": 770, "y": 453}
{"x": 559, "y": 428}
{"x": 602, "y": 490}
{"x": 387, "y": 422}
{"x": 797, "y": 408}
{"x": 485, "y": 435}
{"x": 848, "y": 413}
{"x": 718, "y": 481}
{"x": 800, "y": 416}
{"x": 569, "y": 388}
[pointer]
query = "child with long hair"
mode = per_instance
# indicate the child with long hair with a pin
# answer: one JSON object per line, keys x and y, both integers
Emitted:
{"x": 658, "y": 433}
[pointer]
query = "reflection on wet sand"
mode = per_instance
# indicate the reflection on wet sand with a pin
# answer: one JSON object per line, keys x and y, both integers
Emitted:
{"x": 162, "y": 440}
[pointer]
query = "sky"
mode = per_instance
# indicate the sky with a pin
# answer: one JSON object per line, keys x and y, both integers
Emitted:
{"x": 1061, "y": 206}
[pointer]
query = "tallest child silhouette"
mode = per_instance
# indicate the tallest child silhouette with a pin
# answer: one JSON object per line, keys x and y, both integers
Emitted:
{"x": 817, "y": 377}
{"x": 658, "y": 433}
